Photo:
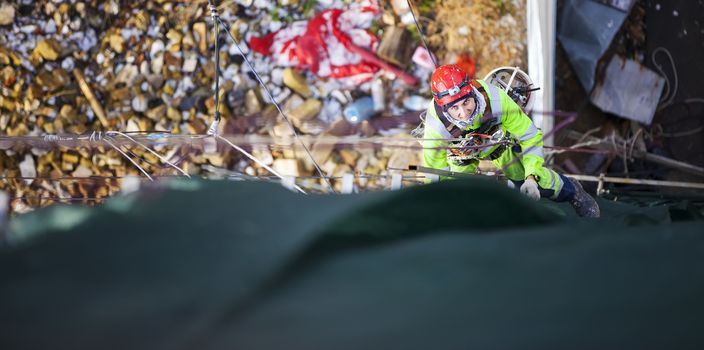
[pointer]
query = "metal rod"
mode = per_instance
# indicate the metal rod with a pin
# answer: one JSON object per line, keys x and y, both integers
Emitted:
{"x": 625, "y": 180}
{"x": 216, "y": 31}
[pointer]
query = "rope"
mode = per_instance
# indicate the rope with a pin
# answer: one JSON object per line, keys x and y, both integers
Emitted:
{"x": 420, "y": 33}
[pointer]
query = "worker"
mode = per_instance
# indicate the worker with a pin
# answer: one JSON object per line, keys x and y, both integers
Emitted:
{"x": 471, "y": 120}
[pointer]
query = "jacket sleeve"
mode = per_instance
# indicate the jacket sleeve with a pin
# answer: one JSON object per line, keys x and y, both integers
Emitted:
{"x": 434, "y": 147}
{"x": 529, "y": 137}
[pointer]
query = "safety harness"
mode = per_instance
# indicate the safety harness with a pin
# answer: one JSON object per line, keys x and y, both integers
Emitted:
{"x": 472, "y": 143}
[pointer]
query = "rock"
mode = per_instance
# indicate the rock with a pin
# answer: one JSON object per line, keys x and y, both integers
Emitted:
{"x": 282, "y": 130}
{"x": 286, "y": 167}
{"x": 157, "y": 64}
{"x": 28, "y": 168}
{"x": 132, "y": 126}
{"x": 308, "y": 110}
{"x": 156, "y": 48}
{"x": 200, "y": 32}
{"x": 157, "y": 113}
{"x": 7, "y": 14}
{"x": 174, "y": 36}
{"x": 49, "y": 80}
{"x": 48, "y": 49}
{"x": 188, "y": 41}
{"x": 321, "y": 152}
{"x": 252, "y": 103}
{"x": 277, "y": 76}
{"x": 296, "y": 82}
{"x": 190, "y": 62}
{"x": 120, "y": 94}
{"x": 127, "y": 75}
{"x": 174, "y": 114}
{"x": 216, "y": 159}
{"x": 116, "y": 42}
{"x": 139, "y": 103}
{"x": 341, "y": 169}
{"x": 68, "y": 112}
{"x": 349, "y": 156}
{"x": 263, "y": 153}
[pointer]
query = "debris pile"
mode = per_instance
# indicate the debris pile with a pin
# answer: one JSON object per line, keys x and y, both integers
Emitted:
{"x": 77, "y": 67}
{"x": 492, "y": 32}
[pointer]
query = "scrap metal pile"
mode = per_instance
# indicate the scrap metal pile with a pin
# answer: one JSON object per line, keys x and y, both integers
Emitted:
{"x": 78, "y": 67}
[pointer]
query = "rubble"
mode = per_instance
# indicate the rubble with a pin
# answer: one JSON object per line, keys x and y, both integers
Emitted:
{"x": 70, "y": 67}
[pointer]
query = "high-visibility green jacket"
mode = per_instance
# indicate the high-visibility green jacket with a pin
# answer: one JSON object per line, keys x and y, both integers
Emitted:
{"x": 502, "y": 111}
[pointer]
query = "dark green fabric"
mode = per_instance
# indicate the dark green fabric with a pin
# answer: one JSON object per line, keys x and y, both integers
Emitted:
{"x": 459, "y": 264}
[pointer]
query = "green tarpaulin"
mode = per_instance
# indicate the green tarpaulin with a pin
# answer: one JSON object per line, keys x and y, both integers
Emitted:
{"x": 243, "y": 265}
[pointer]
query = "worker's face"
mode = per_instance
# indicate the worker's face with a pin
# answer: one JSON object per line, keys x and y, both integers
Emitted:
{"x": 462, "y": 110}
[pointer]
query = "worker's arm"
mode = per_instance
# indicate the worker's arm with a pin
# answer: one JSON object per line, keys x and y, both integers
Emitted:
{"x": 529, "y": 137}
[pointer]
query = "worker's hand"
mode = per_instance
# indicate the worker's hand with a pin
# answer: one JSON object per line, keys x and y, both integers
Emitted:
{"x": 530, "y": 189}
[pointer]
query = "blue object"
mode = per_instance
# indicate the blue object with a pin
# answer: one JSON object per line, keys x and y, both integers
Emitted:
{"x": 359, "y": 110}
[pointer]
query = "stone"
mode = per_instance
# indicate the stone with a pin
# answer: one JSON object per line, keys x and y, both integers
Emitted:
{"x": 263, "y": 153}
{"x": 174, "y": 36}
{"x": 48, "y": 80}
{"x": 127, "y": 75}
{"x": 132, "y": 126}
{"x": 188, "y": 41}
{"x": 48, "y": 49}
{"x": 200, "y": 32}
{"x": 7, "y": 14}
{"x": 252, "y": 103}
{"x": 216, "y": 159}
{"x": 157, "y": 113}
{"x": 139, "y": 103}
{"x": 282, "y": 130}
{"x": 349, "y": 156}
{"x": 156, "y": 48}
{"x": 120, "y": 94}
{"x": 8, "y": 77}
{"x": 28, "y": 167}
{"x": 174, "y": 114}
{"x": 286, "y": 167}
{"x": 190, "y": 62}
{"x": 116, "y": 42}
{"x": 68, "y": 112}
{"x": 308, "y": 110}
{"x": 296, "y": 82}
{"x": 321, "y": 151}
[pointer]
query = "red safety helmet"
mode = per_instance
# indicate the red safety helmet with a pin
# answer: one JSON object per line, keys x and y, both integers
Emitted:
{"x": 449, "y": 83}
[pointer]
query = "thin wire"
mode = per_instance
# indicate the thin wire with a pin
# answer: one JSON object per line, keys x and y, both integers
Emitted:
{"x": 126, "y": 156}
{"x": 670, "y": 92}
{"x": 271, "y": 97}
{"x": 420, "y": 33}
{"x": 257, "y": 161}
{"x": 150, "y": 151}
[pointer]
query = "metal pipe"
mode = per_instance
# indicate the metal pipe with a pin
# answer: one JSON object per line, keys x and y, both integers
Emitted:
{"x": 625, "y": 180}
